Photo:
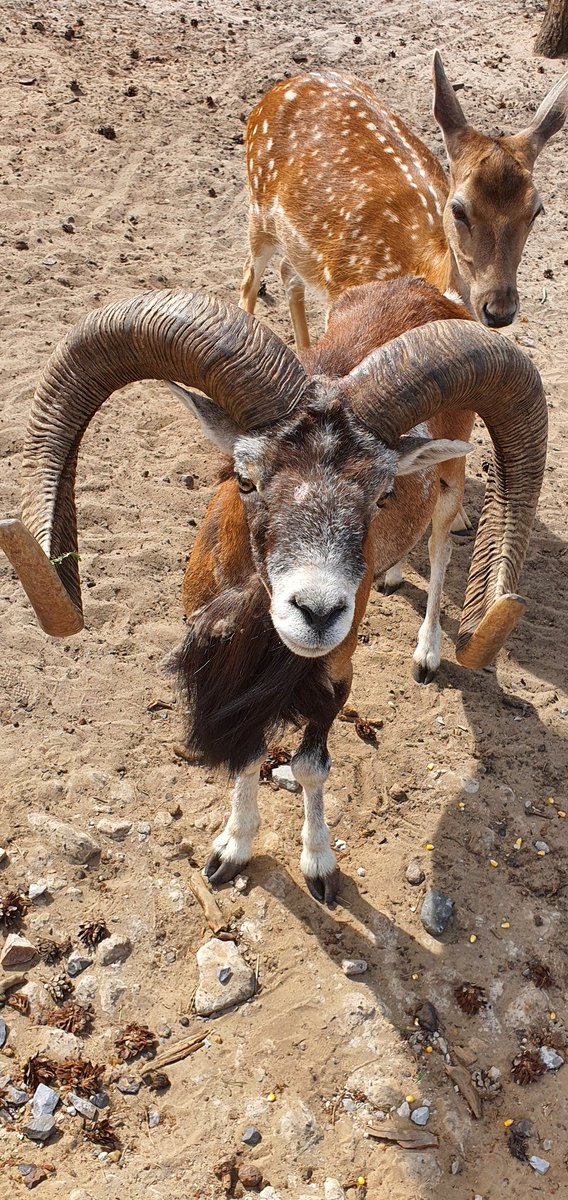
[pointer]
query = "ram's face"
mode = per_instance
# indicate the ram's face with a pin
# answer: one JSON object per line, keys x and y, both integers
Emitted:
{"x": 311, "y": 488}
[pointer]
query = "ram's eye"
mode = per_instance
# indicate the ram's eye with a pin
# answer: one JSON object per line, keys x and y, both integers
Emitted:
{"x": 384, "y": 499}
{"x": 245, "y": 485}
{"x": 459, "y": 214}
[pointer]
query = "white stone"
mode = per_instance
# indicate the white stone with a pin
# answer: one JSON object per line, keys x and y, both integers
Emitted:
{"x": 332, "y": 1190}
{"x": 298, "y": 1126}
{"x": 404, "y": 1110}
{"x": 213, "y": 996}
{"x": 114, "y": 949}
{"x": 37, "y": 891}
{"x": 354, "y": 966}
{"x": 115, "y": 829}
{"x": 70, "y": 840}
{"x": 284, "y": 777}
{"x": 420, "y": 1115}
{"x": 550, "y": 1058}
{"x": 86, "y": 988}
{"x": 540, "y": 1165}
{"x": 111, "y": 992}
{"x": 53, "y": 1043}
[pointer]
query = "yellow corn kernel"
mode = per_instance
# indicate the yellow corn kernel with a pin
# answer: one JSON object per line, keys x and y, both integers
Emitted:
{"x": 549, "y": 800}
{"x": 493, "y": 862}
{"x": 508, "y": 1123}
{"x": 473, "y": 938}
{"x": 552, "y": 1016}
{"x": 561, "y": 813}
{"x": 430, "y": 767}
{"x": 518, "y": 843}
{"x": 460, "y": 805}
{"x": 415, "y": 976}
{"x": 428, "y": 846}
{"x": 361, "y": 1181}
{"x": 541, "y": 853}
{"x": 505, "y": 924}
{"x": 410, "y": 1099}
{"x": 271, "y": 1097}
{"x": 428, "y": 1049}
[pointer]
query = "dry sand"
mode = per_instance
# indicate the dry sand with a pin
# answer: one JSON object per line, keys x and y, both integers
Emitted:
{"x": 85, "y": 220}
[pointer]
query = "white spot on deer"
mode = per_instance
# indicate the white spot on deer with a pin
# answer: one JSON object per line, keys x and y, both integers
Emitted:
{"x": 352, "y": 259}
{"x": 290, "y": 94}
{"x": 251, "y": 164}
{"x": 255, "y": 180}
{"x": 370, "y": 125}
{"x": 353, "y": 104}
{"x": 271, "y": 164}
{"x": 389, "y": 150}
{"x": 265, "y": 126}
{"x": 269, "y": 144}
{"x": 347, "y": 216}
{"x": 327, "y": 274}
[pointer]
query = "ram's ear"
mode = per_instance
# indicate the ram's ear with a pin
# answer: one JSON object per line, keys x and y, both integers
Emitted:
{"x": 213, "y": 420}
{"x": 419, "y": 453}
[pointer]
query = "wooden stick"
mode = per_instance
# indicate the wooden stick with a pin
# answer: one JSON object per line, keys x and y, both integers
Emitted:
{"x": 177, "y": 1052}
{"x": 213, "y": 914}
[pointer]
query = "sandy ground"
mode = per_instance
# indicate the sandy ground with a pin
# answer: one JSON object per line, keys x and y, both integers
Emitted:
{"x": 84, "y": 220}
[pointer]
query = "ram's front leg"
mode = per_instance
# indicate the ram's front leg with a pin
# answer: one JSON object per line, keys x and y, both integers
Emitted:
{"x": 311, "y": 766}
{"x": 232, "y": 849}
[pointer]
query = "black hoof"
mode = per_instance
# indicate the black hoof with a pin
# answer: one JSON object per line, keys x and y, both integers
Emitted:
{"x": 323, "y": 888}
{"x": 463, "y": 535}
{"x": 219, "y": 872}
{"x": 423, "y": 674}
{"x": 389, "y": 589}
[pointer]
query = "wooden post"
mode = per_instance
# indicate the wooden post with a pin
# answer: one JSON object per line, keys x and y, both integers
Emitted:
{"x": 552, "y": 38}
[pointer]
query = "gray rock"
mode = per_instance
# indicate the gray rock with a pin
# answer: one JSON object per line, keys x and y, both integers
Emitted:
{"x": 37, "y": 891}
{"x": 284, "y": 777}
{"x": 39, "y": 1128}
{"x": 437, "y": 908}
{"x": 76, "y": 963}
{"x": 3, "y": 1032}
{"x": 110, "y": 993}
{"x": 71, "y": 841}
{"x": 83, "y": 1107}
{"x": 86, "y": 989}
{"x": 54, "y": 1043}
{"x": 268, "y": 1193}
{"x": 153, "y": 1118}
{"x": 540, "y": 845}
{"x": 114, "y": 949}
{"x": 414, "y": 873}
{"x": 16, "y": 1096}
{"x": 100, "y": 1099}
{"x": 128, "y": 1087}
{"x": 44, "y": 1101}
{"x": 115, "y": 829}
{"x": 299, "y": 1127}
{"x": 212, "y": 996}
{"x": 550, "y": 1058}
{"x": 540, "y": 1165}
{"x": 354, "y": 966}
{"x": 251, "y": 1136}
{"x": 224, "y": 974}
{"x": 457, "y": 1166}
{"x": 404, "y": 1110}
{"x": 420, "y": 1115}
{"x": 332, "y": 1190}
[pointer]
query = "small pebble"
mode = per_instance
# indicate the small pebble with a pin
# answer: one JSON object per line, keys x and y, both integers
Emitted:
{"x": 37, "y": 891}
{"x": 251, "y": 1136}
{"x": 540, "y": 1165}
{"x": 76, "y": 963}
{"x": 284, "y": 777}
{"x": 457, "y": 1166}
{"x": 340, "y": 844}
{"x": 44, "y": 1101}
{"x": 100, "y": 1099}
{"x": 404, "y": 1110}
{"x": 241, "y": 883}
{"x": 224, "y": 974}
{"x": 547, "y": 1144}
{"x": 361, "y": 872}
{"x": 82, "y": 1106}
{"x": 153, "y": 1118}
{"x": 114, "y": 949}
{"x": 354, "y": 966}
{"x": 420, "y": 1115}
{"x": 542, "y": 847}
{"x": 16, "y": 950}
{"x": 39, "y": 1128}
{"x": 436, "y": 911}
{"x": 16, "y": 1096}
{"x": 414, "y": 873}
{"x": 117, "y": 830}
{"x": 128, "y": 1087}
{"x": 550, "y": 1058}
{"x": 3, "y": 1032}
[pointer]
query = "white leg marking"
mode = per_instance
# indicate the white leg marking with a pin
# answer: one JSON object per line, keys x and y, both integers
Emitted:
{"x": 394, "y": 576}
{"x": 429, "y": 645}
{"x": 317, "y": 859}
{"x": 234, "y": 843}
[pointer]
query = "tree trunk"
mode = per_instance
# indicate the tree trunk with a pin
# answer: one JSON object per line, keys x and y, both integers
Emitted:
{"x": 552, "y": 38}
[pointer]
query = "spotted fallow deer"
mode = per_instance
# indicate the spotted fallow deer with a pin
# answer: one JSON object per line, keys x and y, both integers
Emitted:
{"x": 344, "y": 190}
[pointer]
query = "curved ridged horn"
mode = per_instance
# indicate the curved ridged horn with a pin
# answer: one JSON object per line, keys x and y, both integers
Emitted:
{"x": 460, "y": 365}
{"x": 200, "y": 341}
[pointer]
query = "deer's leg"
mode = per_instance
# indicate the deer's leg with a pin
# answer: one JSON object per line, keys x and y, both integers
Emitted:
{"x": 394, "y": 578}
{"x": 232, "y": 848}
{"x": 295, "y": 293}
{"x": 428, "y": 647}
{"x": 461, "y": 523}
{"x": 261, "y": 251}
{"x": 311, "y": 766}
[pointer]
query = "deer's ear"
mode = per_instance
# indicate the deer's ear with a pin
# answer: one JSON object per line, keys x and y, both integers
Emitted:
{"x": 548, "y": 120}
{"x": 447, "y": 109}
